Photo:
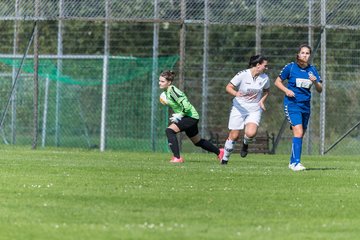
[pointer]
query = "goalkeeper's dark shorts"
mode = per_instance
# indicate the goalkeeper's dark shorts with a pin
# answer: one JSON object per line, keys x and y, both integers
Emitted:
{"x": 188, "y": 125}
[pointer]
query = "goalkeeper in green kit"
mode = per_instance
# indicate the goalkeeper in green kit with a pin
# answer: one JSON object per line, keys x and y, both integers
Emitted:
{"x": 185, "y": 119}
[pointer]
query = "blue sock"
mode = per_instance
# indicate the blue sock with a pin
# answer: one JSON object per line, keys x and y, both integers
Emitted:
{"x": 296, "y": 150}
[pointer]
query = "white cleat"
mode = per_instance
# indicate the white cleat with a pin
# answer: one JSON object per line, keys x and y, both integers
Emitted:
{"x": 296, "y": 167}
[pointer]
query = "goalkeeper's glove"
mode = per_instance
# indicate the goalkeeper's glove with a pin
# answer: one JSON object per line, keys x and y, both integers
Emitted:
{"x": 176, "y": 117}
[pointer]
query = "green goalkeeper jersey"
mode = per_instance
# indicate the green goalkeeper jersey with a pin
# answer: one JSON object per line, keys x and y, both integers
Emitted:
{"x": 179, "y": 103}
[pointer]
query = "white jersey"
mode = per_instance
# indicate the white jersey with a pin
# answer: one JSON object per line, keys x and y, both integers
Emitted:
{"x": 251, "y": 89}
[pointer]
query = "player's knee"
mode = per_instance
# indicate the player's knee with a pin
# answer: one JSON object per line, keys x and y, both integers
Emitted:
{"x": 250, "y": 134}
{"x": 170, "y": 133}
{"x": 234, "y": 135}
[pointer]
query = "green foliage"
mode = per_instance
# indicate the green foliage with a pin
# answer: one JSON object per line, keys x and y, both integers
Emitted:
{"x": 76, "y": 194}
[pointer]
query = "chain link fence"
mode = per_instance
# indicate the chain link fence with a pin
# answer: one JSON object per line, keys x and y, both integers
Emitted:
{"x": 99, "y": 62}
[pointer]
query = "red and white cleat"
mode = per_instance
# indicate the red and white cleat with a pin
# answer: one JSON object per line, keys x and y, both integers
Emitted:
{"x": 177, "y": 160}
{"x": 221, "y": 154}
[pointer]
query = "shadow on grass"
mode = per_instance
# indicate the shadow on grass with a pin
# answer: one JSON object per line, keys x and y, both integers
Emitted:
{"x": 321, "y": 169}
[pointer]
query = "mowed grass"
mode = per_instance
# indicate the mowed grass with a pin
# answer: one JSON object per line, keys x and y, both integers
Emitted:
{"x": 80, "y": 194}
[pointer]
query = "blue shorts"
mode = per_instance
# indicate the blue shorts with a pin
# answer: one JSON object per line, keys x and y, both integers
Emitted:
{"x": 297, "y": 113}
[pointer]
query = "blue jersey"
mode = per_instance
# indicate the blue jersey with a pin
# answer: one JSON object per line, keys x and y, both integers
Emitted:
{"x": 298, "y": 81}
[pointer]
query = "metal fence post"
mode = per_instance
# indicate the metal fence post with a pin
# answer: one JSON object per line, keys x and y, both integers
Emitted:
{"x": 323, "y": 76}
{"x": 105, "y": 78}
{"x": 154, "y": 82}
{"x": 205, "y": 85}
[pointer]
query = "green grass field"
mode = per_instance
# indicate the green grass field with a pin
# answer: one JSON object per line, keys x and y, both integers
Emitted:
{"x": 79, "y": 194}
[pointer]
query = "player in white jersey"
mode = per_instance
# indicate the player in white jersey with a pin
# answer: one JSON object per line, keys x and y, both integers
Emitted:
{"x": 250, "y": 89}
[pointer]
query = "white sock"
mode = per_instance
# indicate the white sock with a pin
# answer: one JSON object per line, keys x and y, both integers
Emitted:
{"x": 228, "y": 148}
{"x": 248, "y": 140}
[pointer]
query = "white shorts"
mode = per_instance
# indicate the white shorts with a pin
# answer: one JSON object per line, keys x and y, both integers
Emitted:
{"x": 238, "y": 120}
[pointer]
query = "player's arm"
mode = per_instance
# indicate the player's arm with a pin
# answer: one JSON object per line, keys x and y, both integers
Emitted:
{"x": 263, "y": 98}
{"x": 317, "y": 83}
{"x": 318, "y": 86}
{"x": 316, "y": 80}
{"x": 231, "y": 89}
{"x": 185, "y": 104}
{"x": 179, "y": 110}
{"x": 177, "y": 96}
{"x": 280, "y": 85}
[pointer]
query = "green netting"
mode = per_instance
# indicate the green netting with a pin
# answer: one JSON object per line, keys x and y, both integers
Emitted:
{"x": 74, "y": 98}
{"x": 82, "y": 71}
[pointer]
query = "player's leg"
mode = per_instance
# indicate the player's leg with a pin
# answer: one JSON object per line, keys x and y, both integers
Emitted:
{"x": 252, "y": 122}
{"x": 205, "y": 144}
{"x": 295, "y": 118}
{"x": 229, "y": 145}
{"x": 249, "y": 137}
{"x": 173, "y": 143}
{"x": 297, "y": 141}
{"x": 236, "y": 124}
{"x": 193, "y": 133}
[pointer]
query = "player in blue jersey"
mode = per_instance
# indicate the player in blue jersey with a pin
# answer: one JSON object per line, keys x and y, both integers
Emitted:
{"x": 185, "y": 119}
{"x": 301, "y": 76}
